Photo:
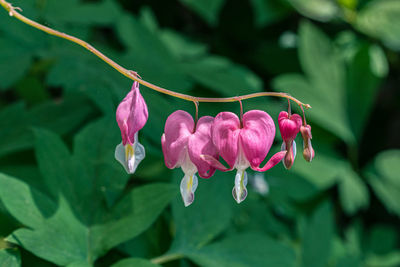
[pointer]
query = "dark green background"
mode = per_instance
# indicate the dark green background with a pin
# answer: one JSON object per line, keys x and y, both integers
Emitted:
{"x": 66, "y": 201}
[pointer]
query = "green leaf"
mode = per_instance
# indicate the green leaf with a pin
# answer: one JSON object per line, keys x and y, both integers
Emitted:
{"x": 352, "y": 191}
{"x": 181, "y": 47}
{"x": 387, "y": 164}
{"x": 383, "y": 177}
{"x": 267, "y": 12}
{"x": 362, "y": 85}
{"x": 132, "y": 215}
{"x": 381, "y": 19}
{"x": 223, "y": 76}
{"x": 323, "y": 172}
{"x": 145, "y": 51}
{"x": 96, "y": 147}
{"x": 57, "y": 168}
{"x": 321, "y": 63}
{"x": 380, "y": 232}
{"x": 317, "y": 237}
{"x": 75, "y": 12}
{"x": 322, "y": 10}
{"x": 137, "y": 262}
{"x": 254, "y": 249}
{"x": 388, "y": 260}
{"x": 198, "y": 224}
{"x": 14, "y": 64}
{"x": 72, "y": 240}
{"x": 16, "y": 122}
{"x": 207, "y": 9}
{"x": 10, "y": 258}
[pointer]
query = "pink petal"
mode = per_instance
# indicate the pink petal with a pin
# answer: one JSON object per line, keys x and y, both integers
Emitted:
{"x": 257, "y": 136}
{"x": 200, "y": 143}
{"x": 289, "y": 126}
{"x": 225, "y": 135}
{"x": 275, "y": 159}
{"x": 215, "y": 163}
{"x": 131, "y": 114}
{"x": 178, "y": 128}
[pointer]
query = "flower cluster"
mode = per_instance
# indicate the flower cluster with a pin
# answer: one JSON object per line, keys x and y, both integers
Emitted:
{"x": 197, "y": 146}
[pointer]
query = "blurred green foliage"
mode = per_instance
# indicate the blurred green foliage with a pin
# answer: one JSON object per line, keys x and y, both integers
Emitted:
{"x": 65, "y": 201}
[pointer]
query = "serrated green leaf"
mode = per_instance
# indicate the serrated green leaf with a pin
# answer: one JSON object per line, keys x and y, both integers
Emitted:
{"x": 72, "y": 240}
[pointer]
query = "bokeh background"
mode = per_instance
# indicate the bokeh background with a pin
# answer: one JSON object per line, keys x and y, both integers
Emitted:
{"x": 66, "y": 201}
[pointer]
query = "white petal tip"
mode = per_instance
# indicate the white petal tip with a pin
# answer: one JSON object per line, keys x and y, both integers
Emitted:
{"x": 188, "y": 199}
{"x": 241, "y": 197}
{"x": 188, "y": 187}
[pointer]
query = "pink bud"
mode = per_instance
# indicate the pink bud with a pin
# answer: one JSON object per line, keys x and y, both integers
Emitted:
{"x": 289, "y": 126}
{"x": 308, "y": 151}
{"x": 131, "y": 114}
{"x": 131, "y": 117}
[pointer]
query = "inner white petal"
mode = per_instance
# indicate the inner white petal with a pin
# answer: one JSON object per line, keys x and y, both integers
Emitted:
{"x": 130, "y": 155}
{"x": 241, "y": 162}
{"x": 187, "y": 165}
{"x": 120, "y": 156}
{"x": 188, "y": 187}
{"x": 239, "y": 191}
{"x": 294, "y": 149}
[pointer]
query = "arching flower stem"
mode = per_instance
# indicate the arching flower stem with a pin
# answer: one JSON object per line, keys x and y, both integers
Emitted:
{"x": 13, "y": 12}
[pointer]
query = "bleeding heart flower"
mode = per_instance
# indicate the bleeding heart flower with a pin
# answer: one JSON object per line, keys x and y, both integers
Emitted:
{"x": 131, "y": 116}
{"x": 182, "y": 146}
{"x": 308, "y": 151}
{"x": 289, "y": 126}
{"x": 243, "y": 145}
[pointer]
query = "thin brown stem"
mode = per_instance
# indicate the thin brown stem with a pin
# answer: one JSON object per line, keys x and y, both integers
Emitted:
{"x": 304, "y": 116}
{"x": 196, "y": 116}
{"x": 131, "y": 74}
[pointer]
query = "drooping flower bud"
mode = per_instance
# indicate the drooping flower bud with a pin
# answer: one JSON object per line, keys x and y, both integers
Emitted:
{"x": 289, "y": 126}
{"x": 308, "y": 151}
{"x": 131, "y": 116}
{"x": 183, "y": 145}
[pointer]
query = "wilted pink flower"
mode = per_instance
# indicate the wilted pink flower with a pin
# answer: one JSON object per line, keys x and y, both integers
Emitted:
{"x": 308, "y": 151}
{"x": 289, "y": 126}
{"x": 243, "y": 145}
{"x": 131, "y": 116}
{"x": 182, "y": 145}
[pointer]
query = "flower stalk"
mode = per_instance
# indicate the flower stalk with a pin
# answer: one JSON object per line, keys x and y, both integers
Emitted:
{"x": 13, "y": 12}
